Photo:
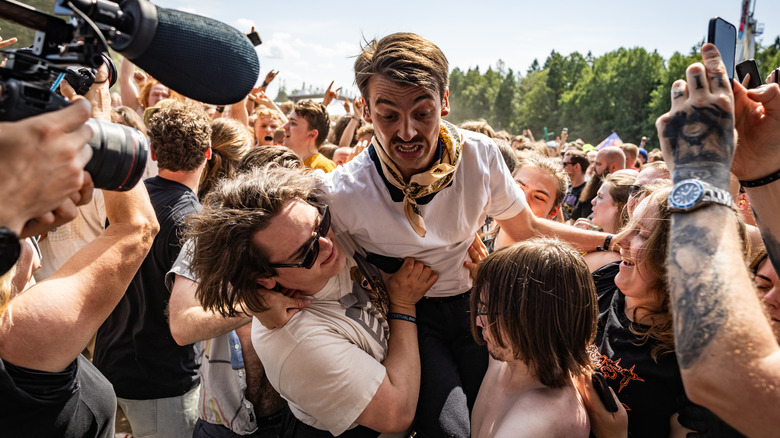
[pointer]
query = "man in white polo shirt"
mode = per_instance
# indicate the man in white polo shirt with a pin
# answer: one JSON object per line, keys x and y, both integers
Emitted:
{"x": 422, "y": 189}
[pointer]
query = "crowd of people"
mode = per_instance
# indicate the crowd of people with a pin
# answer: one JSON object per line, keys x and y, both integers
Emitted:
{"x": 285, "y": 272}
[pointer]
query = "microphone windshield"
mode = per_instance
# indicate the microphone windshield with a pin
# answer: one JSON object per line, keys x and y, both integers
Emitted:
{"x": 199, "y": 57}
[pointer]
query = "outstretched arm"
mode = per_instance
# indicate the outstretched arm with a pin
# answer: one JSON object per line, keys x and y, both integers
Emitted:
{"x": 354, "y": 121}
{"x": 46, "y": 327}
{"x": 729, "y": 359}
{"x": 127, "y": 88}
{"x": 525, "y": 225}
{"x": 189, "y": 322}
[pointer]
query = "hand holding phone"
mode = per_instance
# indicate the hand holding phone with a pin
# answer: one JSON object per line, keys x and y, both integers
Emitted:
{"x": 254, "y": 37}
{"x": 749, "y": 67}
{"x": 605, "y": 395}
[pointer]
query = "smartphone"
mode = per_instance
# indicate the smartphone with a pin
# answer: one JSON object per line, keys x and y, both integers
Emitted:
{"x": 254, "y": 37}
{"x": 605, "y": 395}
{"x": 749, "y": 66}
{"x": 724, "y": 35}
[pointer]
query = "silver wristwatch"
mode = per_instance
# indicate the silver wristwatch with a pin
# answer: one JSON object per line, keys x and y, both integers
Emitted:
{"x": 690, "y": 194}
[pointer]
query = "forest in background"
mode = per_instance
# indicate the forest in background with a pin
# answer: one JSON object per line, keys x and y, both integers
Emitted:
{"x": 622, "y": 91}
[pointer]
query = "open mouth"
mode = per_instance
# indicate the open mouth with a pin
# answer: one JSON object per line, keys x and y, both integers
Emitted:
{"x": 408, "y": 149}
{"x": 268, "y": 138}
{"x": 628, "y": 263}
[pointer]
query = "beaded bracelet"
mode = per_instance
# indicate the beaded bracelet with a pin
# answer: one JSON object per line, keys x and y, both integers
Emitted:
{"x": 402, "y": 317}
{"x": 761, "y": 181}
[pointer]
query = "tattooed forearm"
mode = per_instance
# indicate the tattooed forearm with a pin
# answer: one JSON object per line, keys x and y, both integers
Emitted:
{"x": 698, "y": 290}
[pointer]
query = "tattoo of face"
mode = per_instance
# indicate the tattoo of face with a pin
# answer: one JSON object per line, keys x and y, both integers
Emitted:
{"x": 697, "y": 138}
{"x": 699, "y": 312}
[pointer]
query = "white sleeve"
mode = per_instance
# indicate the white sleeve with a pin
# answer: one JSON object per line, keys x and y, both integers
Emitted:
{"x": 507, "y": 199}
{"x": 182, "y": 265}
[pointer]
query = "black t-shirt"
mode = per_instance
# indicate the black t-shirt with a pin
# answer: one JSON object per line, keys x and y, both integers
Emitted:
{"x": 134, "y": 348}
{"x": 571, "y": 198}
{"x": 582, "y": 209}
{"x": 77, "y": 402}
{"x": 651, "y": 391}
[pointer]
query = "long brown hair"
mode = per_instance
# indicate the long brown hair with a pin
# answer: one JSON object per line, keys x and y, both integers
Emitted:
{"x": 540, "y": 300}
{"x": 224, "y": 257}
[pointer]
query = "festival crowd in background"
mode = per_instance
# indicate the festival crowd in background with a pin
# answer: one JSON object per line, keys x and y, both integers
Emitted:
{"x": 282, "y": 271}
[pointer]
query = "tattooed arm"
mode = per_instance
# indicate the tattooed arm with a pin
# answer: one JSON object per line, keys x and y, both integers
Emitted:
{"x": 729, "y": 359}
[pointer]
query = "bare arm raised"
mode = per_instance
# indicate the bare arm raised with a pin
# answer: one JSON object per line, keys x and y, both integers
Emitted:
{"x": 47, "y": 326}
{"x": 729, "y": 359}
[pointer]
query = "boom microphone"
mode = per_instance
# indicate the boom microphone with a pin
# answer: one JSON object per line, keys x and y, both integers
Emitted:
{"x": 196, "y": 56}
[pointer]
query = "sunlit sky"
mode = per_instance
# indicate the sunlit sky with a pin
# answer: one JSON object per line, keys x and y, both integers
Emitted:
{"x": 313, "y": 42}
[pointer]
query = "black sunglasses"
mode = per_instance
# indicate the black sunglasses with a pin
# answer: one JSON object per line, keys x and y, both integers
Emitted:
{"x": 313, "y": 250}
{"x": 635, "y": 190}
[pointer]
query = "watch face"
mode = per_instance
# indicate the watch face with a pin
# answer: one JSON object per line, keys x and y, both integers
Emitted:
{"x": 686, "y": 194}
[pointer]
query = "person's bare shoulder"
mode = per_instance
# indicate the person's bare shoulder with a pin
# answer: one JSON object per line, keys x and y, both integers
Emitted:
{"x": 548, "y": 412}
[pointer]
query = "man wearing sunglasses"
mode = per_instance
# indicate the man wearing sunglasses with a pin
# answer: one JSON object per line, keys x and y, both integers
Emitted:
{"x": 334, "y": 362}
{"x": 650, "y": 173}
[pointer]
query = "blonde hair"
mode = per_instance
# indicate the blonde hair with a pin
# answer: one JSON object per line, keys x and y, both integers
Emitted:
{"x": 231, "y": 140}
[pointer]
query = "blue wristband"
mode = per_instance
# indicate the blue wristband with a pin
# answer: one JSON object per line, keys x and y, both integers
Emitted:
{"x": 402, "y": 317}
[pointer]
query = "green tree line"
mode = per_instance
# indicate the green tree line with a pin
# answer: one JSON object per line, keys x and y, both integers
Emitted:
{"x": 622, "y": 91}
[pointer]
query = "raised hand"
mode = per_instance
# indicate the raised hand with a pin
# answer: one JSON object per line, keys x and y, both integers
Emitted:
{"x": 757, "y": 119}
{"x": 260, "y": 98}
{"x": 269, "y": 77}
{"x": 330, "y": 95}
{"x": 697, "y": 134}
{"x": 357, "y": 107}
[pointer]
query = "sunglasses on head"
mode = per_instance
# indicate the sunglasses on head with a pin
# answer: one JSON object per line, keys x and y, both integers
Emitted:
{"x": 313, "y": 250}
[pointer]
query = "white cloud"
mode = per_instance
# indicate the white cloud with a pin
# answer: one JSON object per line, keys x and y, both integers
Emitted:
{"x": 190, "y": 10}
{"x": 280, "y": 46}
{"x": 244, "y": 24}
{"x": 341, "y": 49}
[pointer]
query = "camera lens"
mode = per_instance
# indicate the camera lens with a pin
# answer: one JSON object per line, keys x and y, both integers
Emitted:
{"x": 119, "y": 155}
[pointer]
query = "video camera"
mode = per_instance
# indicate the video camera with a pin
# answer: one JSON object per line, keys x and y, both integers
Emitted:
{"x": 71, "y": 50}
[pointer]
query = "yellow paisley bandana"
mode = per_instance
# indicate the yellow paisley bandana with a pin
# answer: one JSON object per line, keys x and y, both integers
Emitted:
{"x": 428, "y": 182}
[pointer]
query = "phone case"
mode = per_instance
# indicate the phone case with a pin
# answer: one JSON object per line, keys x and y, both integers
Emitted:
{"x": 749, "y": 66}
{"x": 602, "y": 388}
